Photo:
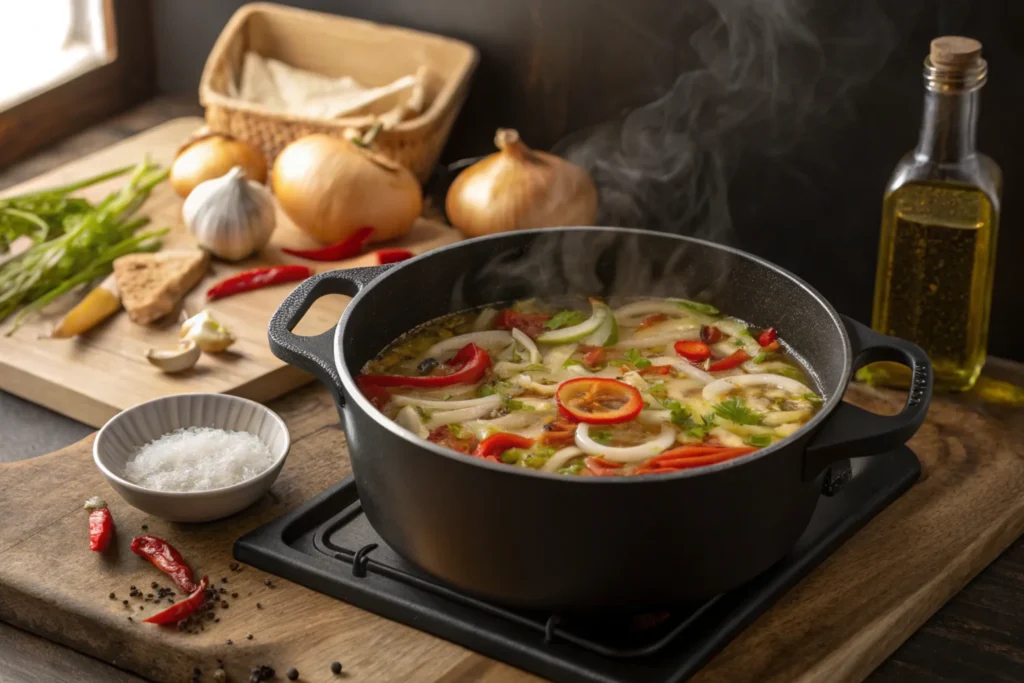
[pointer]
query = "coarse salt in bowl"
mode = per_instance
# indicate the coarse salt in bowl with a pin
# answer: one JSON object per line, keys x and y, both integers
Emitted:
{"x": 192, "y": 457}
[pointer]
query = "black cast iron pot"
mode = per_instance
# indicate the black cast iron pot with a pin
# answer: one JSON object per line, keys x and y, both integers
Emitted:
{"x": 538, "y": 540}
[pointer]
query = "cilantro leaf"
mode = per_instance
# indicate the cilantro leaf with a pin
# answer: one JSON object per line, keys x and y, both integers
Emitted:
{"x": 735, "y": 410}
{"x": 638, "y": 361}
{"x": 565, "y": 319}
{"x": 680, "y": 415}
{"x": 701, "y": 430}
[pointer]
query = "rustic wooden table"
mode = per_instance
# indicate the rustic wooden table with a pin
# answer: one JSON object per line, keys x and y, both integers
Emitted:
{"x": 978, "y": 636}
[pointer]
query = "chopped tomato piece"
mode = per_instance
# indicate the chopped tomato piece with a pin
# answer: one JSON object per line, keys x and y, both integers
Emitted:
{"x": 730, "y": 362}
{"x": 496, "y": 444}
{"x": 443, "y": 436}
{"x": 560, "y": 432}
{"x": 768, "y": 336}
{"x": 594, "y": 357}
{"x": 601, "y": 467}
{"x": 598, "y": 400}
{"x": 693, "y": 351}
{"x": 651, "y": 320}
{"x": 656, "y": 370}
{"x": 709, "y": 334}
{"x": 532, "y": 324}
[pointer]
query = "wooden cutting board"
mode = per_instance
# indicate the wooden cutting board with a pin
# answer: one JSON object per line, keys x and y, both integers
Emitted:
{"x": 837, "y": 625}
{"x": 94, "y": 377}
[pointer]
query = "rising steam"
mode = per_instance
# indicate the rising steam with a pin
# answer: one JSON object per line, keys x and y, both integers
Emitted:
{"x": 757, "y": 74}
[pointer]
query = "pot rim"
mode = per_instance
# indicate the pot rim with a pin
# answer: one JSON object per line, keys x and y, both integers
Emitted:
{"x": 352, "y": 393}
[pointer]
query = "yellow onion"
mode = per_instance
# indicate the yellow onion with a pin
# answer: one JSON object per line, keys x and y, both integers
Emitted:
{"x": 212, "y": 155}
{"x": 518, "y": 188}
{"x": 331, "y": 187}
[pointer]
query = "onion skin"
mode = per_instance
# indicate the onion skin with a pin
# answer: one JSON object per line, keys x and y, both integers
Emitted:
{"x": 518, "y": 188}
{"x": 330, "y": 188}
{"x": 212, "y": 156}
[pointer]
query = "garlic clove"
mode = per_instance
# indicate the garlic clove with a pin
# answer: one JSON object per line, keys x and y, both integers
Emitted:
{"x": 208, "y": 334}
{"x": 175, "y": 360}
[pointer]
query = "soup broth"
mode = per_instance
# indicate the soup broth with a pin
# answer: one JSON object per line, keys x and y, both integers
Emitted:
{"x": 594, "y": 388}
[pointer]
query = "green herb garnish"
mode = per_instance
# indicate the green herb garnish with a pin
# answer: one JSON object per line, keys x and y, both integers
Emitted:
{"x": 571, "y": 362}
{"x": 658, "y": 390}
{"x": 497, "y": 387}
{"x": 637, "y": 360}
{"x": 601, "y": 436}
{"x": 681, "y": 417}
{"x": 707, "y": 423}
{"x": 735, "y": 410}
{"x": 697, "y": 307}
{"x": 760, "y": 357}
{"x": 759, "y": 440}
{"x": 510, "y": 404}
{"x": 565, "y": 319}
{"x": 813, "y": 398}
{"x": 574, "y": 467}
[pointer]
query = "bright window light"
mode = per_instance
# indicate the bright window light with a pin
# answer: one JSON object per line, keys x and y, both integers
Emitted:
{"x": 47, "y": 42}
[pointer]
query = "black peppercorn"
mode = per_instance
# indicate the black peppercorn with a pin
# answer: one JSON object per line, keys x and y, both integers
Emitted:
{"x": 130, "y": 619}
{"x": 248, "y": 636}
{"x": 223, "y": 604}
{"x": 259, "y": 606}
{"x": 266, "y": 582}
{"x": 233, "y": 566}
{"x": 228, "y": 641}
{"x": 112, "y": 596}
{"x": 145, "y": 527}
{"x": 335, "y": 668}
{"x": 124, "y": 602}
{"x": 292, "y": 674}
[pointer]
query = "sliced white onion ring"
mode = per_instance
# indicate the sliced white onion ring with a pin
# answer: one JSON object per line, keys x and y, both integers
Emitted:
{"x": 528, "y": 345}
{"x": 493, "y": 401}
{"x": 446, "y": 417}
{"x": 715, "y": 390}
{"x": 687, "y": 333}
{"x": 666, "y": 438}
{"x": 654, "y": 417}
{"x": 685, "y": 368}
{"x": 485, "y": 319}
{"x": 558, "y": 460}
{"x": 781, "y": 417}
{"x": 526, "y": 382}
{"x": 486, "y": 340}
{"x": 408, "y": 417}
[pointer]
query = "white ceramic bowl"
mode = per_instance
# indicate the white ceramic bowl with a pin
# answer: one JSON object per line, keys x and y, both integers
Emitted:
{"x": 122, "y": 437}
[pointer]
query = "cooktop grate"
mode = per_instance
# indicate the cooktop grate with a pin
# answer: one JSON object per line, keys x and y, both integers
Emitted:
{"x": 328, "y": 545}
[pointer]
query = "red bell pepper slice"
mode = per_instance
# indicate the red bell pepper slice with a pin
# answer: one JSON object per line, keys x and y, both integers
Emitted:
{"x": 694, "y": 351}
{"x": 768, "y": 337}
{"x": 257, "y": 278}
{"x": 385, "y": 256}
{"x": 601, "y": 467}
{"x": 594, "y": 357}
{"x": 730, "y": 362}
{"x": 530, "y": 324}
{"x": 496, "y": 444}
{"x": 709, "y": 334}
{"x": 182, "y": 609}
{"x": 471, "y": 362}
{"x": 666, "y": 461}
{"x": 166, "y": 558}
{"x": 101, "y": 524}
{"x": 598, "y": 400}
{"x": 346, "y": 248}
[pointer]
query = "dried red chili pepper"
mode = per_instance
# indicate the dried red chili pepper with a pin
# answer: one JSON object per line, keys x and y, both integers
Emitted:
{"x": 166, "y": 558}
{"x": 248, "y": 280}
{"x": 182, "y": 609}
{"x": 101, "y": 524}
{"x": 768, "y": 337}
{"x": 392, "y": 255}
{"x": 346, "y": 248}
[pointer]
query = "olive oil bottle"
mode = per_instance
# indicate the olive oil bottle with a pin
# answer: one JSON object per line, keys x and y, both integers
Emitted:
{"x": 940, "y": 215}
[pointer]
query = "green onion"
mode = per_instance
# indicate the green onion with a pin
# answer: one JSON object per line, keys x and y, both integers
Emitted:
{"x": 759, "y": 440}
{"x": 760, "y": 357}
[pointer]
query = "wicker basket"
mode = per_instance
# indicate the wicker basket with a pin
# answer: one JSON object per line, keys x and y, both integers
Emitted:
{"x": 337, "y": 46}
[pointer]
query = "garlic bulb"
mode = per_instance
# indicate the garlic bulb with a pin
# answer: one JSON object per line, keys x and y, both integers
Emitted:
{"x": 230, "y": 217}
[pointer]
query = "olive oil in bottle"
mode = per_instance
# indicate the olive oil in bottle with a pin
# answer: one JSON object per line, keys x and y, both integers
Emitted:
{"x": 940, "y": 215}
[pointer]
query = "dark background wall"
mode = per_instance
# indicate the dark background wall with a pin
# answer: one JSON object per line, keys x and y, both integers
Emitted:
{"x": 770, "y": 124}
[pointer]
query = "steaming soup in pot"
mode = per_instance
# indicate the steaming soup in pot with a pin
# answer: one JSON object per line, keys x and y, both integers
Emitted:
{"x": 647, "y": 386}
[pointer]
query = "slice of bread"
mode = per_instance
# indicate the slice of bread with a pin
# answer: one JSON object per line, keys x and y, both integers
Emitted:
{"x": 151, "y": 285}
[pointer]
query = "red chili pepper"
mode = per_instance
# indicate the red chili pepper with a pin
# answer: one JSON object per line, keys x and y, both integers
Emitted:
{"x": 248, "y": 280}
{"x": 166, "y": 558}
{"x": 379, "y": 396}
{"x": 691, "y": 462}
{"x": 768, "y": 336}
{"x": 730, "y": 362}
{"x": 651, "y": 320}
{"x": 346, "y": 248}
{"x": 598, "y": 400}
{"x": 709, "y": 334}
{"x": 183, "y": 609}
{"x": 656, "y": 370}
{"x": 392, "y": 255}
{"x": 530, "y": 324}
{"x": 101, "y": 524}
{"x": 695, "y": 351}
{"x": 496, "y": 444}
{"x": 471, "y": 362}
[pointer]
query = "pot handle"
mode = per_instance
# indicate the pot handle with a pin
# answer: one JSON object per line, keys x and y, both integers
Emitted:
{"x": 315, "y": 354}
{"x": 851, "y": 431}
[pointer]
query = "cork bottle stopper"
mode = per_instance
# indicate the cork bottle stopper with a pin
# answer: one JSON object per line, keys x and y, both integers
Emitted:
{"x": 955, "y": 52}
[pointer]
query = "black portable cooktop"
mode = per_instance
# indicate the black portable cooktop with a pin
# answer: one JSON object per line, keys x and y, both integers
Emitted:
{"x": 329, "y": 546}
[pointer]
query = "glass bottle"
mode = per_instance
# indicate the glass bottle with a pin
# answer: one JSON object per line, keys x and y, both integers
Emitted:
{"x": 940, "y": 214}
